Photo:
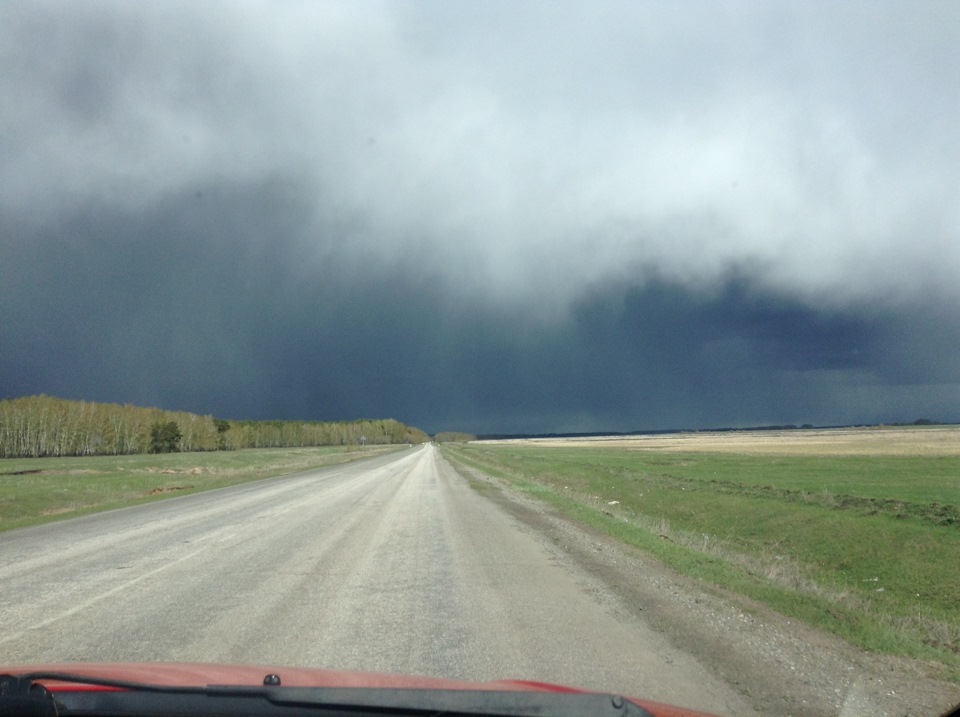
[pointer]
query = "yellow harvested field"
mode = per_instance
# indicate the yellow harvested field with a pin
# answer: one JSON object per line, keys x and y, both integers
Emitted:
{"x": 877, "y": 440}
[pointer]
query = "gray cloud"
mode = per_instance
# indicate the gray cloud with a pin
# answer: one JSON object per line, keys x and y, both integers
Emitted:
{"x": 547, "y": 216}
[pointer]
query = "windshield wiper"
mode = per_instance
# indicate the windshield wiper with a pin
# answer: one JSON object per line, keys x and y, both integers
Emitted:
{"x": 138, "y": 698}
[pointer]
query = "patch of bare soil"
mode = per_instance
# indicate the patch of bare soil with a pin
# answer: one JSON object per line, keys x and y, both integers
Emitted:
{"x": 783, "y": 666}
{"x": 879, "y": 440}
{"x": 167, "y": 489}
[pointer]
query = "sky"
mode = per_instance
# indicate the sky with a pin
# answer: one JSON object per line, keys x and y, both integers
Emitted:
{"x": 494, "y": 217}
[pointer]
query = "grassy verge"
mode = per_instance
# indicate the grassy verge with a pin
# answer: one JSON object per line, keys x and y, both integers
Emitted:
{"x": 38, "y": 490}
{"x": 865, "y": 547}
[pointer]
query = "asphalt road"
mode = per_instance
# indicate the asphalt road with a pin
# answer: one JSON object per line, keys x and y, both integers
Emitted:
{"x": 390, "y": 564}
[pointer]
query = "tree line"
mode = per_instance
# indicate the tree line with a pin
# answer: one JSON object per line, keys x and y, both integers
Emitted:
{"x": 36, "y": 426}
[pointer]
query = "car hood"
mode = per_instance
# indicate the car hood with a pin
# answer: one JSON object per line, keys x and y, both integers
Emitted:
{"x": 194, "y": 674}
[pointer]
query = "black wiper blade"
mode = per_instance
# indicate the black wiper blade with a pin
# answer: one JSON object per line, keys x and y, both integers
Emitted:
{"x": 137, "y": 699}
{"x": 81, "y": 679}
{"x": 490, "y": 703}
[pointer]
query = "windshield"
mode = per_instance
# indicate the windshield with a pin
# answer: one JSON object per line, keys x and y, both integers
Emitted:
{"x": 610, "y": 346}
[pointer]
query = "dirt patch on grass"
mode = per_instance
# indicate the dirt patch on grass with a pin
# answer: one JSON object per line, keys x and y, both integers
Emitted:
{"x": 45, "y": 472}
{"x": 167, "y": 489}
{"x": 874, "y": 441}
{"x": 934, "y": 513}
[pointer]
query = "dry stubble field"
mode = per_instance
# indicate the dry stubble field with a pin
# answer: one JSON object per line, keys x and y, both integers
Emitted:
{"x": 873, "y": 441}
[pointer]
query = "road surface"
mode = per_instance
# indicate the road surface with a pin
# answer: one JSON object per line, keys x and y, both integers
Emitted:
{"x": 389, "y": 564}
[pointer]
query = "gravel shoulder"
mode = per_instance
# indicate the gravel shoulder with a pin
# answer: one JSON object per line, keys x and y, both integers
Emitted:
{"x": 781, "y": 666}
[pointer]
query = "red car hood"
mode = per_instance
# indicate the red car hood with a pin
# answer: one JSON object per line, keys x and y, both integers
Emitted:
{"x": 203, "y": 674}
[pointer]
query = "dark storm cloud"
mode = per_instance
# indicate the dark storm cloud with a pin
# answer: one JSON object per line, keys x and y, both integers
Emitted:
{"x": 488, "y": 216}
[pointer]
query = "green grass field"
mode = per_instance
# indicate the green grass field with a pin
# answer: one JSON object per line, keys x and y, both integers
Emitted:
{"x": 865, "y": 546}
{"x": 37, "y": 490}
